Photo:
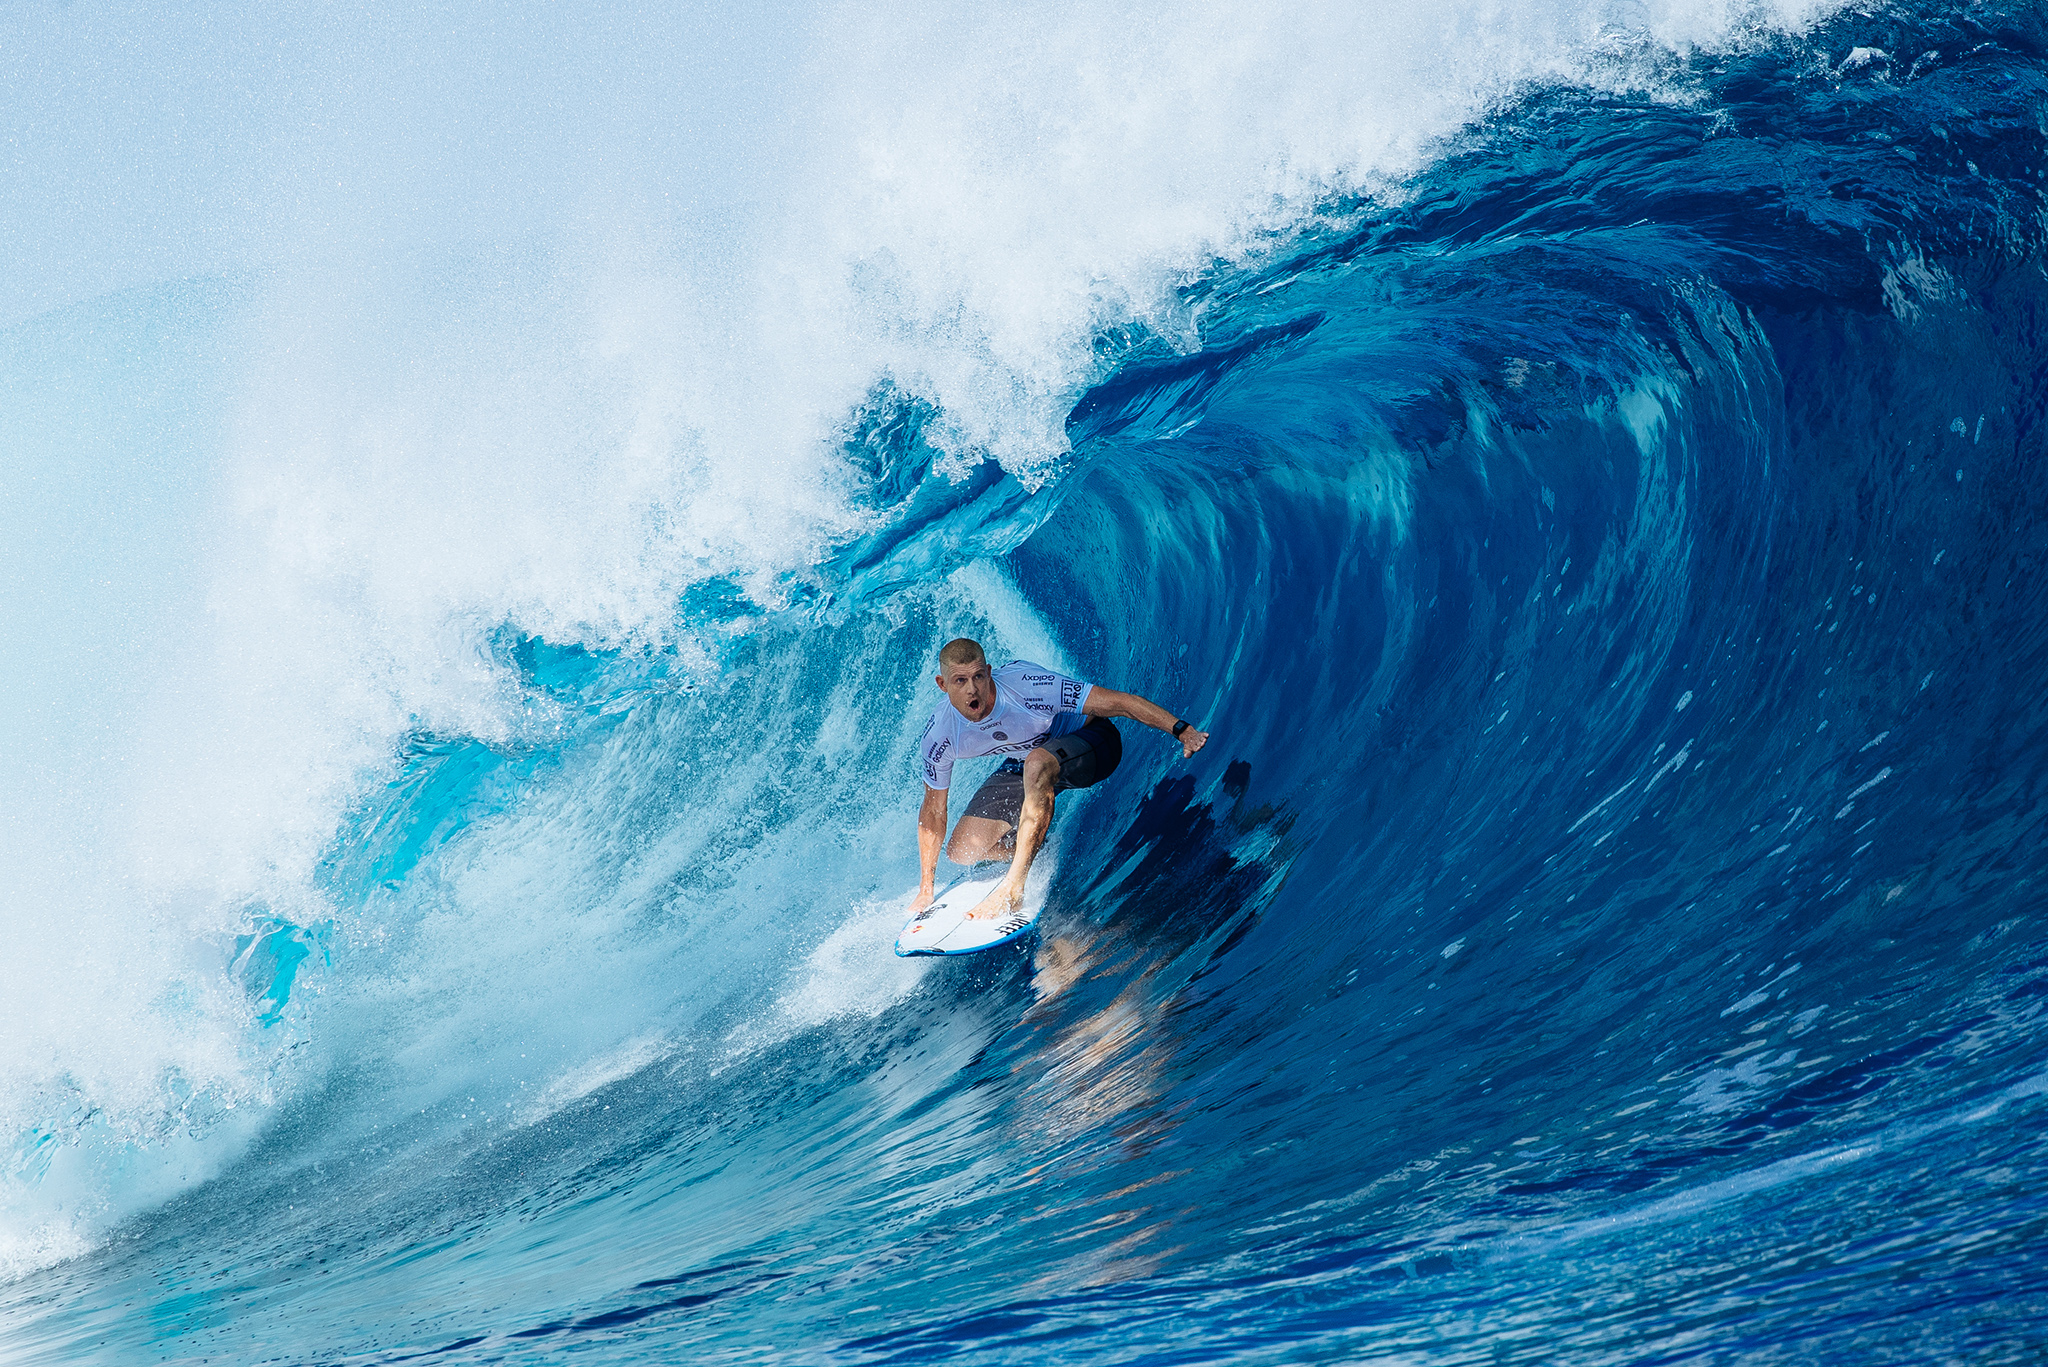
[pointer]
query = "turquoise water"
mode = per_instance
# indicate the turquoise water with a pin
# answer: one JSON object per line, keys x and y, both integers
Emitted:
{"x": 473, "y": 804}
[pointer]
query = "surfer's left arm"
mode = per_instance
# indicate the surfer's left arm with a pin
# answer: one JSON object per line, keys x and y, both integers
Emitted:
{"x": 1107, "y": 702}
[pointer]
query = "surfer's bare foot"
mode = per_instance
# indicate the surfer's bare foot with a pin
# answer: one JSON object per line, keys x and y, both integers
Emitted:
{"x": 1001, "y": 900}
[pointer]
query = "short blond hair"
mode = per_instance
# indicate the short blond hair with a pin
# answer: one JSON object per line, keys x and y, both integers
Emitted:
{"x": 961, "y": 651}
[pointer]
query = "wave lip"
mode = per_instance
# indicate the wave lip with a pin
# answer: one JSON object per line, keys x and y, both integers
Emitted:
{"x": 1601, "y": 565}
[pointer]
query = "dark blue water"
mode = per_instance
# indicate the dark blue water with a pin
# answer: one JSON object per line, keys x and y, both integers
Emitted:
{"x": 1603, "y": 927}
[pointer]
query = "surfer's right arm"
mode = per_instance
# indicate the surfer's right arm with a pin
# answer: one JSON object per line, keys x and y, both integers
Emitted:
{"x": 931, "y": 838}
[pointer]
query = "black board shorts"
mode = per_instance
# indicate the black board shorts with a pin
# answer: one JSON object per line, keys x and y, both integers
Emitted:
{"x": 1086, "y": 757}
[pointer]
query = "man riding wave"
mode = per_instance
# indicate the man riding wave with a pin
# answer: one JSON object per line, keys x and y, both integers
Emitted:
{"x": 1059, "y": 725}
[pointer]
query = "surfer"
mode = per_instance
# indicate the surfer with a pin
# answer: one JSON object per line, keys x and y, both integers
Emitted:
{"x": 1060, "y": 726}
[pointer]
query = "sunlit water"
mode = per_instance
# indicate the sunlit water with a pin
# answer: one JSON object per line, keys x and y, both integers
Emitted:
{"x": 1585, "y": 468}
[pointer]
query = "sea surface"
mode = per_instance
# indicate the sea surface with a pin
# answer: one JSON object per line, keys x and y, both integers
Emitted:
{"x": 1590, "y": 479}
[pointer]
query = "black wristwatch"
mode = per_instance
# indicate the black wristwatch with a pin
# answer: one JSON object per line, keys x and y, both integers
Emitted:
{"x": 1179, "y": 727}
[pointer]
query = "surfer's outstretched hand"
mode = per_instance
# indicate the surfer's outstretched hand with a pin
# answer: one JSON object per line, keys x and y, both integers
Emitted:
{"x": 1192, "y": 740}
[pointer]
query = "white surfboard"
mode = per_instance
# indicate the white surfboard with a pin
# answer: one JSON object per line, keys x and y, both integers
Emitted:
{"x": 922, "y": 932}
{"x": 990, "y": 931}
{"x": 943, "y": 927}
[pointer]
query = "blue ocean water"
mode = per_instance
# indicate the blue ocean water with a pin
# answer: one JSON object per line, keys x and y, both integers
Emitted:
{"x": 1603, "y": 927}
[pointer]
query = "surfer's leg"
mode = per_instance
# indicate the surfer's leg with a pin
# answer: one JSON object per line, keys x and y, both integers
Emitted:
{"x": 976, "y": 838}
{"x": 985, "y": 829}
{"x": 1041, "y": 772}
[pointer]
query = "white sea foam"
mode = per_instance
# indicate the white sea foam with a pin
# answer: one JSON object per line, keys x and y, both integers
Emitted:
{"x": 592, "y": 1074}
{"x": 854, "y": 972}
{"x": 490, "y": 368}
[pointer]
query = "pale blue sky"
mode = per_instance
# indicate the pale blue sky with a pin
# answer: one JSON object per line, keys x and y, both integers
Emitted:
{"x": 153, "y": 142}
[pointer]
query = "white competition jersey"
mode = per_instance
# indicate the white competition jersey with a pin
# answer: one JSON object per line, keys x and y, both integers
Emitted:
{"x": 1028, "y": 697}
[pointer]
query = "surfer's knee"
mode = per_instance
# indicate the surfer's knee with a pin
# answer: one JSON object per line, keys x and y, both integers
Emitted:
{"x": 1041, "y": 769}
{"x": 976, "y": 839}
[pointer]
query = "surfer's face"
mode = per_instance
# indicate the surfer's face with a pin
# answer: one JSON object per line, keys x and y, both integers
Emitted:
{"x": 972, "y": 690}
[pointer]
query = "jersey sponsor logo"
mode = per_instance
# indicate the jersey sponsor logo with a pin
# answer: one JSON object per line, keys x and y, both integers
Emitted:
{"x": 1039, "y": 678}
{"x": 1001, "y": 736}
{"x": 1033, "y": 705}
{"x": 932, "y": 756}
